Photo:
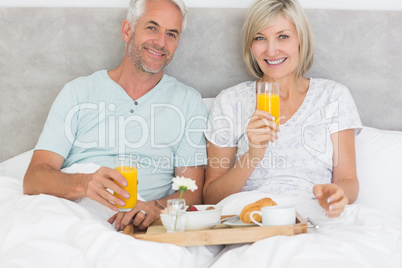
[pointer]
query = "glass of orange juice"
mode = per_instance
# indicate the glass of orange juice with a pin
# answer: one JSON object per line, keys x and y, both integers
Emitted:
{"x": 127, "y": 166}
{"x": 268, "y": 98}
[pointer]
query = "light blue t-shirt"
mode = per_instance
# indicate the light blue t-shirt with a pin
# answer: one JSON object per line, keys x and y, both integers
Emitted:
{"x": 93, "y": 119}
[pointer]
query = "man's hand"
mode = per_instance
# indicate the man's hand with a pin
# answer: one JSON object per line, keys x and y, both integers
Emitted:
{"x": 141, "y": 220}
{"x": 332, "y": 199}
{"x": 96, "y": 185}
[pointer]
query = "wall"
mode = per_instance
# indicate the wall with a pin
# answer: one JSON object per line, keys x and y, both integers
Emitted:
{"x": 311, "y": 4}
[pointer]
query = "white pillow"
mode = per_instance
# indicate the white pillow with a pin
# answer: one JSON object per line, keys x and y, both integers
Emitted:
{"x": 208, "y": 102}
{"x": 17, "y": 166}
{"x": 379, "y": 169}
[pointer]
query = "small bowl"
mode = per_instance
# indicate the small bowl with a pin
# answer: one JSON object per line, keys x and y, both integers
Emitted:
{"x": 198, "y": 220}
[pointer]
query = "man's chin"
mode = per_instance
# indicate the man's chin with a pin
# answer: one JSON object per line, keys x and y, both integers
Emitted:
{"x": 153, "y": 69}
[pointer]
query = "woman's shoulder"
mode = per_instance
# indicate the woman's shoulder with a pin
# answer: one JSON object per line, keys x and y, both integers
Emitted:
{"x": 235, "y": 99}
{"x": 239, "y": 91}
{"x": 327, "y": 85}
{"x": 327, "y": 92}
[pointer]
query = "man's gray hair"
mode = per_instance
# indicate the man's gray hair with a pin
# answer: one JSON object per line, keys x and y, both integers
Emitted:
{"x": 137, "y": 8}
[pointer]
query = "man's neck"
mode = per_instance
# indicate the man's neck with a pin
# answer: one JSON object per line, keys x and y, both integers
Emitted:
{"x": 135, "y": 82}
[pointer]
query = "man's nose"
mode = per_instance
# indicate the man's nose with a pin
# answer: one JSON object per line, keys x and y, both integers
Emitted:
{"x": 160, "y": 40}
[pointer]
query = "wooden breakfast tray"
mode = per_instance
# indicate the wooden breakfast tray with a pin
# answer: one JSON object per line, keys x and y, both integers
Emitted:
{"x": 220, "y": 234}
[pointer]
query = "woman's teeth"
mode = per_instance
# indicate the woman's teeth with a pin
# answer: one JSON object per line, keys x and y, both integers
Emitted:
{"x": 274, "y": 62}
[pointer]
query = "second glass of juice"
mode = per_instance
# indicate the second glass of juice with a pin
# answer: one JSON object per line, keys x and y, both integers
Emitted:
{"x": 268, "y": 99}
{"x": 126, "y": 165}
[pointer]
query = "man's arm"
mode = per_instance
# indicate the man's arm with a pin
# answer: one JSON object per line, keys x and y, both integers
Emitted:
{"x": 153, "y": 209}
{"x": 44, "y": 177}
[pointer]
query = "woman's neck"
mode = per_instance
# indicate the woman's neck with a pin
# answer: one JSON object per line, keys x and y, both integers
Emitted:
{"x": 289, "y": 86}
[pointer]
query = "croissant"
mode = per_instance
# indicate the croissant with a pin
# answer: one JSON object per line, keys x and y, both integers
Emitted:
{"x": 256, "y": 206}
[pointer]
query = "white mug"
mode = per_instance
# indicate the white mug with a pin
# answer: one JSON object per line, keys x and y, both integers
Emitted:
{"x": 275, "y": 215}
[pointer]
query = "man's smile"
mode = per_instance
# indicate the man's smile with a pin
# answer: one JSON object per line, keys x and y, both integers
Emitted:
{"x": 154, "y": 52}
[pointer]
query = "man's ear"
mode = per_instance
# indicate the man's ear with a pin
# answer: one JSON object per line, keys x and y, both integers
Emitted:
{"x": 126, "y": 31}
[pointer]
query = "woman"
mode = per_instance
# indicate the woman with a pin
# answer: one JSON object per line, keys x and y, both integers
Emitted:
{"x": 312, "y": 152}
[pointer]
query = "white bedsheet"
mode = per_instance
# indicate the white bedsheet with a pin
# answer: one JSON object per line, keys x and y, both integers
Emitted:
{"x": 46, "y": 231}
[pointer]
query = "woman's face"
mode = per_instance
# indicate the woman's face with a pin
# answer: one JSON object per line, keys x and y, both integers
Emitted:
{"x": 276, "y": 49}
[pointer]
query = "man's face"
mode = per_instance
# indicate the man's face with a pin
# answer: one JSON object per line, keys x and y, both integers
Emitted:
{"x": 156, "y": 36}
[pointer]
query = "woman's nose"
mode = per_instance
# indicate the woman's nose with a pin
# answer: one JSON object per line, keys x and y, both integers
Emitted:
{"x": 271, "y": 49}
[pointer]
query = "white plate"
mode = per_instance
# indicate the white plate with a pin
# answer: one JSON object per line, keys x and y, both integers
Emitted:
{"x": 236, "y": 222}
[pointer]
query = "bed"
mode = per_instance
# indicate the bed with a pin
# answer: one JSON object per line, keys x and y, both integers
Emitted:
{"x": 43, "y": 48}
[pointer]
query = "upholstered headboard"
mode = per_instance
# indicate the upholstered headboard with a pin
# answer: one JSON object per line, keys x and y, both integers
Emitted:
{"x": 43, "y": 48}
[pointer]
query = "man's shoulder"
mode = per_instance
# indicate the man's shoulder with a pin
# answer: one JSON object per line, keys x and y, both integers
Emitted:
{"x": 181, "y": 95}
{"x": 84, "y": 87}
{"x": 94, "y": 77}
{"x": 181, "y": 88}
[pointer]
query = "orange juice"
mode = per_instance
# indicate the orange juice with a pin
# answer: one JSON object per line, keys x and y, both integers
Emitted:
{"x": 130, "y": 173}
{"x": 269, "y": 103}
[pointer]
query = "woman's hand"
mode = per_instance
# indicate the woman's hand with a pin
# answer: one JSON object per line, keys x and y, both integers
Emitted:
{"x": 141, "y": 220}
{"x": 332, "y": 199}
{"x": 261, "y": 130}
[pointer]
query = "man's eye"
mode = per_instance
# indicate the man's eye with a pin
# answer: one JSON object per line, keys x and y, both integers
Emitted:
{"x": 172, "y": 35}
{"x": 151, "y": 28}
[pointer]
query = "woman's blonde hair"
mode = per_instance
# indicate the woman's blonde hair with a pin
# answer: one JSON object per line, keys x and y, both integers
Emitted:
{"x": 262, "y": 14}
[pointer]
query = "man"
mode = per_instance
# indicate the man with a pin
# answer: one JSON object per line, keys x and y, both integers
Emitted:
{"x": 133, "y": 109}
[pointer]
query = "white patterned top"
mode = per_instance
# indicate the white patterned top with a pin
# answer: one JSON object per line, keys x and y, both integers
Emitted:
{"x": 302, "y": 155}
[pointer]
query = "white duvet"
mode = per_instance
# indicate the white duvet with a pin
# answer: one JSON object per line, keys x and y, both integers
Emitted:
{"x": 362, "y": 237}
{"x": 46, "y": 231}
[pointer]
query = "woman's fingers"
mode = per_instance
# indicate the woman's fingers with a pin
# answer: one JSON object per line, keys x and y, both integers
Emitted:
{"x": 332, "y": 198}
{"x": 262, "y": 122}
{"x": 336, "y": 195}
{"x": 336, "y": 208}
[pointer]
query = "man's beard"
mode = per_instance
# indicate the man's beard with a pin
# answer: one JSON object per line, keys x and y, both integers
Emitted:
{"x": 136, "y": 52}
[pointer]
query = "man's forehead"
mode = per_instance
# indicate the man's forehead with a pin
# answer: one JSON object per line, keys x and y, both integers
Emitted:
{"x": 163, "y": 13}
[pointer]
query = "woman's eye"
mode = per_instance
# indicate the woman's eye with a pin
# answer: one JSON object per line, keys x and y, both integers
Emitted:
{"x": 283, "y": 36}
{"x": 258, "y": 38}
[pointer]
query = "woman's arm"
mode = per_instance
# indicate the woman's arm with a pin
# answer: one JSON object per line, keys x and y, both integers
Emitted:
{"x": 223, "y": 176}
{"x": 345, "y": 185}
